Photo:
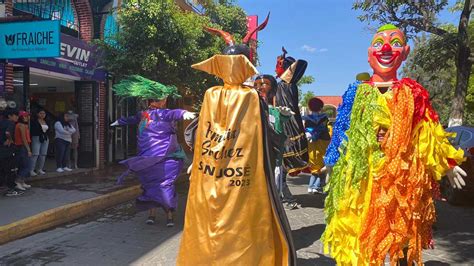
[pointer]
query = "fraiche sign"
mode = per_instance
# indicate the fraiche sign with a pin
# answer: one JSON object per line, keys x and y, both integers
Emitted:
{"x": 78, "y": 59}
{"x": 29, "y": 39}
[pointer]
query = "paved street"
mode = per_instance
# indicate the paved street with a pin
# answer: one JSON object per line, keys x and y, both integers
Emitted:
{"x": 119, "y": 236}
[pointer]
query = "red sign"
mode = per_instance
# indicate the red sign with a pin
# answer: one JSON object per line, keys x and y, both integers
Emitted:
{"x": 252, "y": 24}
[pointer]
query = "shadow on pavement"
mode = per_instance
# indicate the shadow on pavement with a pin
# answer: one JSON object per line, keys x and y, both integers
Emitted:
{"x": 298, "y": 180}
{"x": 321, "y": 260}
{"x": 311, "y": 201}
{"x": 306, "y": 236}
{"x": 455, "y": 232}
{"x": 436, "y": 263}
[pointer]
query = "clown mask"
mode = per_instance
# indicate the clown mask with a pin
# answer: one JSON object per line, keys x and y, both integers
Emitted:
{"x": 387, "y": 52}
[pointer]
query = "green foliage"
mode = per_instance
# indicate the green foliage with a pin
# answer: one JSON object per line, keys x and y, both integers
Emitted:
{"x": 159, "y": 41}
{"x": 410, "y": 16}
{"x": 230, "y": 18}
{"x": 330, "y": 111}
{"x": 306, "y": 97}
{"x": 433, "y": 66}
{"x": 305, "y": 80}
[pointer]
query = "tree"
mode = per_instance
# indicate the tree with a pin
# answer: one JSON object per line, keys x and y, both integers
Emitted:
{"x": 306, "y": 97}
{"x": 432, "y": 64}
{"x": 159, "y": 41}
{"x": 420, "y": 16}
{"x": 305, "y": 80}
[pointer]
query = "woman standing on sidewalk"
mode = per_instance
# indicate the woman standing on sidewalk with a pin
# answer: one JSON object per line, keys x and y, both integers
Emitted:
{"x": 64, "y": 131}
{"x": 75, "y": 138}
{"x": 22, "y": 142}
{"x": 40, "y": 142}
{"x": 160, "y": 157}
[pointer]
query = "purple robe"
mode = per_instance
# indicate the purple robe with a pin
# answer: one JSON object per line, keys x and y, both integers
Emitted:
{"x": 160, "y": 157}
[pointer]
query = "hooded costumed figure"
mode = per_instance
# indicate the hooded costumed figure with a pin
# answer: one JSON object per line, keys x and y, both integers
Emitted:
{"x": 290, "y": 71}
{"x": 388, "y": 150}
{"x": 233, "y": 215}
{"x": 160, "y": 157}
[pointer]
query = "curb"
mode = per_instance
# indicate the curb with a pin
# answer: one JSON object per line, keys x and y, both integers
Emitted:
{"x": 60, "y": 215}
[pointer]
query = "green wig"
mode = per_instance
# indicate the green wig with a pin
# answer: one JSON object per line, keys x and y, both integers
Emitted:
{"x": 140, "y": 87}
{"x": 390, "y": 27}
{"x": 387, "y": 27}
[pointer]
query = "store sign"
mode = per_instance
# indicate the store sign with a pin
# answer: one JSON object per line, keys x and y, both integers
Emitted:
{"x": 29, "y": 39}
{"x": 78, "y": 59}
{"x": 2, "y": 78}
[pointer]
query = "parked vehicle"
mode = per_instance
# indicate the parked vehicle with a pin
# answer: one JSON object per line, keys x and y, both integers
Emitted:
{"x": 465, "y": 140}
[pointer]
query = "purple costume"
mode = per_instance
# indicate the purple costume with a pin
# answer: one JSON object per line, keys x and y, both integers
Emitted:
{"x": 160, "y": 157}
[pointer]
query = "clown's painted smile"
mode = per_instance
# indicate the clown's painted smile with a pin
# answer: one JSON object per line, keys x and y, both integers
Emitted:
{"x": 386, "y": 58}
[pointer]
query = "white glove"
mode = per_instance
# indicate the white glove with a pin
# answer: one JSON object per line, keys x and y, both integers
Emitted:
{"x": 189, "y": 115}
{"x": 286, "y": 111}
{"x": 455, "y": 177}
{"x": 190, "y": 168}
{"x": 116, "y": 123}
{"x": 308, "y": 135}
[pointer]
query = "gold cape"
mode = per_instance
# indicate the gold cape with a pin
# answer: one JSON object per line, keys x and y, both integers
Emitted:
{"x": 233, "y": 214}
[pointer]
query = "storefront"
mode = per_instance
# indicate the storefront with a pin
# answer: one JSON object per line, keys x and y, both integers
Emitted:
{"x": 60, "y": 84}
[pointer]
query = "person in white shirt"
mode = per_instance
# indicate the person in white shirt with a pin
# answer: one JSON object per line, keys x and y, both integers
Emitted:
{"x": 64, "y": 131}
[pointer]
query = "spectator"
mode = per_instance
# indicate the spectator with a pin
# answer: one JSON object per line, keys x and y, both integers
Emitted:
{"x": 40, "y": 142}
{"x": 75, "y": 137}
{"x": 22, "y": 142}
{"x": 64, "y": 131}
{"x": 317, "y": 133}
{"x": 8, "y": 168}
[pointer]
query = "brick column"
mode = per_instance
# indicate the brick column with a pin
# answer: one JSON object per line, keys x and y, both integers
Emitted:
{"x": 9, "y": 67}
{"x": 85, "y": 17}
{"x": 102, "y": 123}
{"x": 9, "y": 8}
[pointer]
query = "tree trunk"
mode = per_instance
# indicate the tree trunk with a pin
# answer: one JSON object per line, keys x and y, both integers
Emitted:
{"x": 463, "y": 65}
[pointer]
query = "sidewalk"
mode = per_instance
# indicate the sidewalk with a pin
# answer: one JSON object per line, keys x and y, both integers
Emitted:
{"x": 58, "y": 199}
{"x": 53, "y": 191}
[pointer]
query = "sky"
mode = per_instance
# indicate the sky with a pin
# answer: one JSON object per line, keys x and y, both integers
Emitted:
{"x": 326, "y": 33}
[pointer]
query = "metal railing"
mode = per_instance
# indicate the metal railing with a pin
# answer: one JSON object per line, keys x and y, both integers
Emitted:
{"x": 61, "y": 10}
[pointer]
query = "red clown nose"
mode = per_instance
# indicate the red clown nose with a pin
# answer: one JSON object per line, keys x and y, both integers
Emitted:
{"x": 386, "y": 48}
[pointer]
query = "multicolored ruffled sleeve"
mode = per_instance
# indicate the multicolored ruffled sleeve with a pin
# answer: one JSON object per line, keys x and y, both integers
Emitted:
{"x": 432, "y": 141}
{"x": 437, "y": 153}
{"x": 343, "y": 120}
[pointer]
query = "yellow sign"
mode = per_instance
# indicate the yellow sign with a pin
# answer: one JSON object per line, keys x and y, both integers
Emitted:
{"x": 60, "y": 106}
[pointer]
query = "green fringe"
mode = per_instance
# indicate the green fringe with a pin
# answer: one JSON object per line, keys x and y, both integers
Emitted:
{"x": 140, "y": 87}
